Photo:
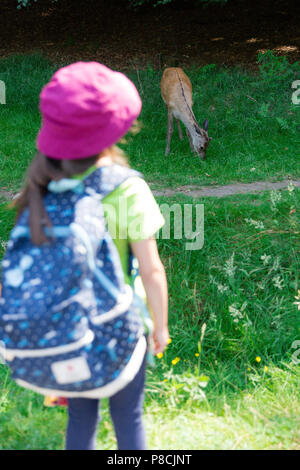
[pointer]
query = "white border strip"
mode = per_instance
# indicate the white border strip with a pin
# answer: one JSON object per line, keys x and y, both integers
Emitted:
{"x": 126, "y": 376}
{"x": 8, "y": 353}
{"x": 124, "y": 302}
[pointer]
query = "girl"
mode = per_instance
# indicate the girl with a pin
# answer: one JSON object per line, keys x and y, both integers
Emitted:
{"x": 86, "y": 109}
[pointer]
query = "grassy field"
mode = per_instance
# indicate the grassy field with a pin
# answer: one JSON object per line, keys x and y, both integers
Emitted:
{"x": 242, "y": 286}
{"x": 253, "y": 122}
{"x": 230, "y": 378}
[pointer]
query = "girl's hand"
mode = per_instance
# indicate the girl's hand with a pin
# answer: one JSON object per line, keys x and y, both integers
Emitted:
{"x": 160, "y": 339}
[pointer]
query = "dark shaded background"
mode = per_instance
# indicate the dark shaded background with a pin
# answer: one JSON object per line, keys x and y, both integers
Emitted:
{"x": 177, "y": 34}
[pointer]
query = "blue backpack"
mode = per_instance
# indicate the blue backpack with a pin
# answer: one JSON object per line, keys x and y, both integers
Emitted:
{"x": 69, "y": 325}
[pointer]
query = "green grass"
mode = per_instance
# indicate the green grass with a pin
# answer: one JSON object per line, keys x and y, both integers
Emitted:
{"x": 24, "y": 77}
{"x": 230, "y": 302}
{"x": 239, "y": 263}
{"x": 263, "y": 416}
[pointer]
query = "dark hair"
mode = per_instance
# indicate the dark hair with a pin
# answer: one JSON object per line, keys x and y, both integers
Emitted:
{"x": 41, "y": 171}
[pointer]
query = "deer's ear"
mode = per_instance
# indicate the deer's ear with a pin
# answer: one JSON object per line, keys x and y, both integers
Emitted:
{"x": 205, "y": 125}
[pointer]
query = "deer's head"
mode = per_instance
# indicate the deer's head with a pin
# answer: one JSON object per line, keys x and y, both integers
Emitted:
{"x": 201, "y": 140}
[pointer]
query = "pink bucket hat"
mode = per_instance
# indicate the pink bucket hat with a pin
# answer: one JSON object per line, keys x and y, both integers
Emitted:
{"x": 86, "y": 107}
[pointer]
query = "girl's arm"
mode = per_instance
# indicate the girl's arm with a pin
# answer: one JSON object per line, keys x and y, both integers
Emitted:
{"x": 154, "y": 280}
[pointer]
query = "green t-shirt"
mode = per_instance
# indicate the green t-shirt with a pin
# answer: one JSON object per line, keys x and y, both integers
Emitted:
{"x": 135, "y": 216}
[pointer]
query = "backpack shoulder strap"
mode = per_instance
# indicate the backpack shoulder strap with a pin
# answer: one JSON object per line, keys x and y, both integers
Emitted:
{"x": 107, "y": 178}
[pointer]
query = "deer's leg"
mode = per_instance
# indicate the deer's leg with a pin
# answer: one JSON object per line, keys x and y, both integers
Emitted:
{"x": 190, "y": 140}
{"x": 179, "y": 129}
{"x": 170, "y": 131}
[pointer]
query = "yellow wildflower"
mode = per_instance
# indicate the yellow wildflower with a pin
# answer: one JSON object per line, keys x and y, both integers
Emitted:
{"x": 197, "y": 354}
{"x": 174, "y": 362}
{"x": 169, "y": 341}
{"x": 266, "y": 369}
{"x": 258, "y": 359}
{"x": 159, "y": 355}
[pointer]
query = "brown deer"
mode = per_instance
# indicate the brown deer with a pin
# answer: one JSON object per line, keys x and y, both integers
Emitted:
{"x": 176, "y": 92}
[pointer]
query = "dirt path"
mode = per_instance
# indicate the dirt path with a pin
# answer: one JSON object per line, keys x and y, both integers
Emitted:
{"x": 206, "y": 191}
{"x": 226, "y": 190}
